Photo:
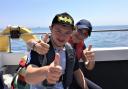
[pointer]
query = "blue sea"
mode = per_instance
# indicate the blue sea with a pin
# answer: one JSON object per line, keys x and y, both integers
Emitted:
{"x": 97, "y": 39}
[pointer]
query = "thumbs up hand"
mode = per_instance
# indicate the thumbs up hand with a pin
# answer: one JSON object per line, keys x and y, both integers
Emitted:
{"x": 57, "y": 59}
{"x": 88, "y": 54}
{"x": 46, "y": 38}
{"x": 41, "y": 46}
{"x": 55, "y": 70}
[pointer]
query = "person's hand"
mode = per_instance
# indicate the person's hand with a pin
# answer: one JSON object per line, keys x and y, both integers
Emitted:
{"x": 55, "y": 70}
{"x": 41, "y": 46}
{"x": 88, "y": 55}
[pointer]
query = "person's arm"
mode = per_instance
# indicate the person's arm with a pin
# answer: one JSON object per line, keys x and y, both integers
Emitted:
{"x": 35, "y": 74}
{"x": 40, "y": 46}
{"x": 51, "y": 73}
{"x": 78, "y": 74}
{"x": 80, "y": 79}
{"x": 88, "y": 57}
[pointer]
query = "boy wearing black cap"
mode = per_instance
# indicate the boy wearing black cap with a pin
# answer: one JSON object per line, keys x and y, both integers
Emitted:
{"x": 60, "y": 65}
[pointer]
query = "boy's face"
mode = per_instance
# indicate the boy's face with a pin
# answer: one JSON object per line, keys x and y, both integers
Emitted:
{"x": 60, "y": 34}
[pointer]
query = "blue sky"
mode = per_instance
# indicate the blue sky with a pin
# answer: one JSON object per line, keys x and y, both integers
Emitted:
{"x": 34, "y": 13}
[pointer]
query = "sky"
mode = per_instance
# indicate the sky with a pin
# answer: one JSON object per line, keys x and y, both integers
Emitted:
{"x": 39, "y": 13}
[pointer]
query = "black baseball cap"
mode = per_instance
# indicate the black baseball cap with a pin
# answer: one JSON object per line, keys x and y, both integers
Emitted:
{"x": 63, "y": 18}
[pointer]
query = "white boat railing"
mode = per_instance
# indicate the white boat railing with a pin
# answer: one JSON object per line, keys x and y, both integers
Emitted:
{"x": 115, "y": 30}
{"x": 111, "y": 54}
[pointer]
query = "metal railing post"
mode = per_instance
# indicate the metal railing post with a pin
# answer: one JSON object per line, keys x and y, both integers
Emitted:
{"x": 10, "y": 50}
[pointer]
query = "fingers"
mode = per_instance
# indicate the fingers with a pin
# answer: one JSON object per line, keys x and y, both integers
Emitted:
{"x": 55, "y": 70}
{"x": 53, "y": 78}
{"x": 89, "y": 53}
{"x": 42, "y": 50}
{"x": 57, "y": 59}
{"x": 46, "y": 38}
{"x": 44, "y": 41}
{"x": 89, "y": 47}
{"x": 90, "y": 56}
{"x": 42, "y": 47}
{"x": 56, "y": 62}
{"x": 45, "y": 45}
{"x": 53, "y": 75}
{"x": 55, "y": 65}
{"x": 88, "y": 50}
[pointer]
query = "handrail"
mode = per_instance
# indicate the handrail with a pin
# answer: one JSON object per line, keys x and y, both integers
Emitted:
{"x": 41, "y": 33}
{"x": 110, "y": 30}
